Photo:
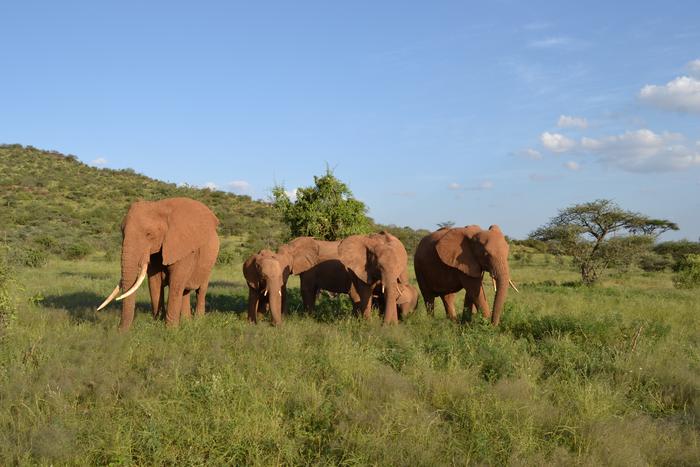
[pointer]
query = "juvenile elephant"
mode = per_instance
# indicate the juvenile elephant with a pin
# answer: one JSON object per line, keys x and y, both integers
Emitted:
{"x": 407, "y": 299}
{"x": 452, "y": 259}
{"x": 378, "y": 259}
{"x": 266, "y": 273}
{"x": 173, "y": 242}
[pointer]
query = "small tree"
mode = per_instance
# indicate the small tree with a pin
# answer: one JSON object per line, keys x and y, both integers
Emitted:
{"x": 325, "y": 211}
{"x": 600, "y": 234}
{"x": 446, "y": 224}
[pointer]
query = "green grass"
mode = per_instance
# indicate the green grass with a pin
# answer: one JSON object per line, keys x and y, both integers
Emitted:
{"x": 575, "y": 375}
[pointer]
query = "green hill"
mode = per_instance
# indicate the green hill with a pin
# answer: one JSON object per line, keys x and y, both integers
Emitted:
{"x": 53, "y": 204}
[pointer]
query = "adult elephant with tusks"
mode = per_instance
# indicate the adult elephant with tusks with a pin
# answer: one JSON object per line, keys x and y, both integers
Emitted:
{"x": 377, "y": 259}
{"x": 171, "y": 240}
{"x": 452, "y": 259}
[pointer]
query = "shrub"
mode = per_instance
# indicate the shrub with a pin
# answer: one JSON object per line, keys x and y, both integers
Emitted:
{"x": 226, "y": 257}
{"x": 77, "y": 250}
{"x": 28, "y": 257}
{"x": 7, "y": 306}
{"x": 687, "y": 272}
{"x": 653, "y": 262}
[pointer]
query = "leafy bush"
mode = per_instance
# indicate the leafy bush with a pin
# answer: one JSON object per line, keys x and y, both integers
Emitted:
{"x": 7, "y": 306}
{"x": 77, "y": 250}
{"x": 28, "y": 257}
{"x": 226, "y": 257}
{"x": 687, "y": 272}
{"x": 653, "y": 262}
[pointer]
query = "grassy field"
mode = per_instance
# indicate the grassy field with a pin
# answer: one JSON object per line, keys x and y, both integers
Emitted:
{"x": 574, "y": 375}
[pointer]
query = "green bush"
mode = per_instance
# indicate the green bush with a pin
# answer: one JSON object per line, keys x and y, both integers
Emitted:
{"x": 77, "y": 250}
{"x": 7, "y": 306}
{"x": 653, "y": 262}
{"x": 687, "y": 272}
{"x": 226, "y": 257}
{"x": 28, "y": 257}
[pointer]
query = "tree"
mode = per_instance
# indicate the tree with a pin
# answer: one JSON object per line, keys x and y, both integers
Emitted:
{"x": 600, "y": 234}
{"x": 325, "y": 211}
{"x": 446, "y": 224}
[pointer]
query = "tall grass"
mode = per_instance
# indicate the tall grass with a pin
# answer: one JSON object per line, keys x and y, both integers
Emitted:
{"x": 574, "y": 375}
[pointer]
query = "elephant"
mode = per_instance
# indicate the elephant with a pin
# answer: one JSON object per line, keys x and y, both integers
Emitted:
{"x": 407, "y": 299}
{"x": 174, "y": 242}
{"x": 266, "y": 274}
{"x": 451, "y": 259}
{"x": 376, "y": 259}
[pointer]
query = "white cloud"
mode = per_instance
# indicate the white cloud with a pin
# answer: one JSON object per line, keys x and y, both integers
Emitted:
{"x": 566, "y": 121}
{"x": 643, "y": 151}
{"x": 557, "y": 142}
{"x": 100, "y": 162}
{"x": 681, "y": 95}
{"x": 572, "y": 165}
{"x": 291, "y": 194}
{"x": 210, "y": 185}
{"x": 454, "y": 186}
{"x": 485, "y": 185}
{"x": 530, "y": 153}
{"x": 694, "y": 68}
{"x": 240, "y": 187}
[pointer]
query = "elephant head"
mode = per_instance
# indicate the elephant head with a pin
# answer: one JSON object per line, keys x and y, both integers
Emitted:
{"x": 375, "y": 258}
{"x": 173, "y": 227}
{"x": 473, "y": 250}
{"x": 267, "y": 272}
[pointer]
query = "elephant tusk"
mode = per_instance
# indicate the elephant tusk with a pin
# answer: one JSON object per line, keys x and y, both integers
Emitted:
{"x": 382, "y": 288}
{"x": 138, "y": 283}
{"x": 398, "y": 289}
{"x": 513, "y": 285}
{"x": 110, "y": 298}
{"x": 265, "y": 293}
{"x": 279, "y": 292}
{"x": 493, "y": 281}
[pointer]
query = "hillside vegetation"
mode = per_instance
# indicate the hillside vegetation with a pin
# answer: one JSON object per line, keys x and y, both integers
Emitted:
{"x": 55, "y": 204}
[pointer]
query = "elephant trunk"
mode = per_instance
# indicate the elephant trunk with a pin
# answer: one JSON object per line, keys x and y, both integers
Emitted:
{"x": 391, "y": 295}
{"x": 132, "y": 262}
{"x": 274, "y": 295}
{"x": 501, "y": 275}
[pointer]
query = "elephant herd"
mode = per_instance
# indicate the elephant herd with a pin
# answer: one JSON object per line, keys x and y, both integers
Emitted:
{"x": 173, "y": 242}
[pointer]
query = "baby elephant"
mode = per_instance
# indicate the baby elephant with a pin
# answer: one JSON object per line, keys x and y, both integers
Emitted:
{"x": 406, "y": 302}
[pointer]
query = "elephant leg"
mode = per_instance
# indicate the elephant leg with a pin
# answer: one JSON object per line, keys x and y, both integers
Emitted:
{"x": 253, "y": 305}
{"x": 308, "y": 296}
{"x": 448, "y": 301}
{"x": 429, "y": 304}
{"x": 475, "y": 294}
{"x": 285, "y": 311}
{"x": 201, "y": 300}
{"x": 468, "y": 309}
{"x": 155, "y": 289}
{"x": 186, "y": 309}
{"x": 365, "y": 304}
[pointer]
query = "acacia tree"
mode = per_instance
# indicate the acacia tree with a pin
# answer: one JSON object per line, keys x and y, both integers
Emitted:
{"x": 326, "y": 211}
{"x": 600, "y": 234}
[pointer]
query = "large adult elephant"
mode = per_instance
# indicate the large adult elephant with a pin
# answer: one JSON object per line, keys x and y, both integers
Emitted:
{"x": 174, "y": 242}
{"x": 266, "y": 274}
{"x": 452, "y": 259}
{"x": 376, "y": 259}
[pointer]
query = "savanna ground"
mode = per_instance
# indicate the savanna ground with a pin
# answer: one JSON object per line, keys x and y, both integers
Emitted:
{"x": 574, "y": 375}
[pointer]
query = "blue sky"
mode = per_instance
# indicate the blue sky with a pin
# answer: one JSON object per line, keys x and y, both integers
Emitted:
{"x": 501, "y": 112}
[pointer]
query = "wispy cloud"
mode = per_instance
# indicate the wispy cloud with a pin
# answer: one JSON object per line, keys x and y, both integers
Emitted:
{"x": 529, "y": 153}
{"x": 240, "y": 187}
{"x": 572, "y": 165}
{"x": 210, "y": 186}
{"x": 567, "y": 121}
{"x": 100, "y": 162}
{"x": 550, "y": 42}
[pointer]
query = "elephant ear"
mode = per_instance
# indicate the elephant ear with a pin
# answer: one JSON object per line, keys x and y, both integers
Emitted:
{"x": 353, "y": 254}
{"x": 190, "y": 224}
{"x": 250, "y": 271}
{"x": 454, "y": 250}
{"x": 301, "y": 254}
